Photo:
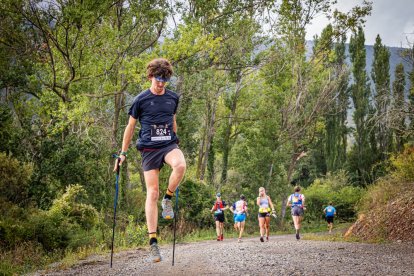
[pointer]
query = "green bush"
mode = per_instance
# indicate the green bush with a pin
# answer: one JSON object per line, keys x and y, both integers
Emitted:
{"x": 66, "y": 224}
{"x": 69, "y": 206}
{"x": 403, "y": 165}
{"x": 14, "y": 179}
{"x": 400, "y": 179}
{"x": 335, "y": 188}
{"x": 135, "y": 234}
{"x": 195, "y": 203}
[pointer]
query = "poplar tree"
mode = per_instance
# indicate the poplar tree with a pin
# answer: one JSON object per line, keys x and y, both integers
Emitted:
{"x": 336, "y": 129}
{"x": 399, "y": 102}
{"x": 381, "y": 77}
{"x": 360, "y": 92}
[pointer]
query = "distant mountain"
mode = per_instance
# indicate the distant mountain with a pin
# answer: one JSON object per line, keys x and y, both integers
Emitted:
{"x": 395, "y": 59}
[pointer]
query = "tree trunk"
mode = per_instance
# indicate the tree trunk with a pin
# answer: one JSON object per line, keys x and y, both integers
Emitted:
{"x": 226, "y": 143}
{"x": 210, "y": 135}
{"x": 293, "y": 161}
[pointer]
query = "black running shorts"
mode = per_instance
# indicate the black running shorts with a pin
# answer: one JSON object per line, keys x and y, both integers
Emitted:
{"x": 263, "y": 215}
{"x": 219, "y": 217}
{"x": 155, "y": 158}
{"x": 329, "y": 219}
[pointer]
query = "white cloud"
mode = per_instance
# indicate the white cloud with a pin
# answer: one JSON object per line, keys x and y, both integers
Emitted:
{"x": 392, "y": 20}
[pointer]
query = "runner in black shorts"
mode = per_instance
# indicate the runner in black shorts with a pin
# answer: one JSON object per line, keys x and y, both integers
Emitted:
{"x": 155, "y": 109}
{"x": 218, "y": 209}
{"x": 265, "y": 203}
{"x": 329, "y": 220}
{"x": 330, "y": 213}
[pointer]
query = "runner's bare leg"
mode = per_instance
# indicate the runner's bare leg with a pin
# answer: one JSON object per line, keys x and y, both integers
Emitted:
{"x": 151, "y": 202}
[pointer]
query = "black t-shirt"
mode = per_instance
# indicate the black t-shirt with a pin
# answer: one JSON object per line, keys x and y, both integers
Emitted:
{"x": 156, "y": 116}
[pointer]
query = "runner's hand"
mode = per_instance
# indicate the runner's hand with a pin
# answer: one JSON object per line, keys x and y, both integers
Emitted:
{"x": 122, "y": 159}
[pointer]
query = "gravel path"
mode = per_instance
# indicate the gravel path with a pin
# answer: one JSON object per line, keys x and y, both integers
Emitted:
{"x": 282, "y": 255}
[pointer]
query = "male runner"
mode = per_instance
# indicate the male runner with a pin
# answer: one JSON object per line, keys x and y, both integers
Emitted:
{"x": 155, "y": 109}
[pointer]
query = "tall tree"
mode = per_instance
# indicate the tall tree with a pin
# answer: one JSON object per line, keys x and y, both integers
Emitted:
{"x": 335, "y": 140}
{"x": 398, "y": 87}
{"x": 360, "y": 93}
{"x": 308, "y": 86}
{"x": 408, "y": 56}
{"x": 381, "y": 76}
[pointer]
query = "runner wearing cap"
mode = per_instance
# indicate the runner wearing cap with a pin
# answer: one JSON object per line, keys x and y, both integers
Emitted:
{"x": 218, "y": 209}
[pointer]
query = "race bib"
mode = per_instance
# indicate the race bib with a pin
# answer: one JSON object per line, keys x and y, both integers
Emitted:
{"x": 160, "y": 132}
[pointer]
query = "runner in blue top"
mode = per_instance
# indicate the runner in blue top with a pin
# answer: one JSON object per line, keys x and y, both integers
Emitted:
{"x": 218, "y": 209}
{"x": 330, "y": 213}
{"x": 155, "y": 109}
{"x": 239, "y": 210}
{"x": 297, "y": 203}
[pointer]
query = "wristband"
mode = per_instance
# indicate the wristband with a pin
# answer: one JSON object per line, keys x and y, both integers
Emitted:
{"x": 124, "y": 153}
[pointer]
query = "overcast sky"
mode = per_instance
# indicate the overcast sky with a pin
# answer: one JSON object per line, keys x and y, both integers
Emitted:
{"x": 393, "y": 20}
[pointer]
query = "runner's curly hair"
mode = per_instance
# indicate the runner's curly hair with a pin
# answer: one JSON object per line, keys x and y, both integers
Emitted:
{"x": 297, "y": 189}
{"x": 159, "y": 67}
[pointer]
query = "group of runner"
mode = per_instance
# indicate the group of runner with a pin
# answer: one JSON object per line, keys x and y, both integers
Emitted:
{"x": 295, "y": 201}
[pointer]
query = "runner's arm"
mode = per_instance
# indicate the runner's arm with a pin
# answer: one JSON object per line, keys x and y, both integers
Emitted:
{"x": 128, "y": 134}
{"x": 175, "y": 124}
{"x": 288, "y": 203}
{"x": 271, "y": 203}
{"x": 258, "y": 201}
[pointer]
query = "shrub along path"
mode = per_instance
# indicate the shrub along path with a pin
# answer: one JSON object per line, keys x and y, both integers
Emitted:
{"x": 282, "y": 255}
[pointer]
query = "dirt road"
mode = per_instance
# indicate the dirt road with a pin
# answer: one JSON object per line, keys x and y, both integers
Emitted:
{"x": 282, "y": 255}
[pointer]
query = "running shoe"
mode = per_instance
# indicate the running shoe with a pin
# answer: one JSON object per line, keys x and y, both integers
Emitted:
{"x": 267, "y": 238}
{"x": 239, "y": 240}
{"x": 218, "y": 238}
{"x": 167, "y": 209}
{"x": 155, "y": 253}
{"x": 221, "y": 237}
{"x": 261, "y": 239}
{"x": 297, "y": 236}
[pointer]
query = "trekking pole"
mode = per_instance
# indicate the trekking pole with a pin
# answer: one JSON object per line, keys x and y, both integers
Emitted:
{"x": 115, "y": 203}
{"x": 175, "y": 223}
